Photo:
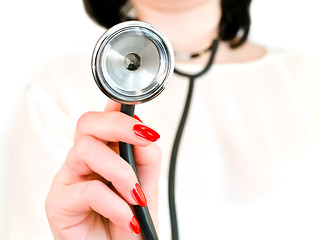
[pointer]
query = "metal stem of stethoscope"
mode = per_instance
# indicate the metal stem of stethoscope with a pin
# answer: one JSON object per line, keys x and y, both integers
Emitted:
{"x": 132, "y": 63}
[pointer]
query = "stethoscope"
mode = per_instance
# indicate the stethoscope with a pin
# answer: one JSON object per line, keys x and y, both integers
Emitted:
{"x": 132, "y": 63}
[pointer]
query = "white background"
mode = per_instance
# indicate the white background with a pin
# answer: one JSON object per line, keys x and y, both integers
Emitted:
{"x": 34, "y": 32}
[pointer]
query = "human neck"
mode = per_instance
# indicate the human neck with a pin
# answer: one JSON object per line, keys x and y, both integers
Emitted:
{"x": 190, "y": 25}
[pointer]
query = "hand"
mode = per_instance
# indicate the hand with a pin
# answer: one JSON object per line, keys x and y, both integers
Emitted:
{"x": 90, "y": 196}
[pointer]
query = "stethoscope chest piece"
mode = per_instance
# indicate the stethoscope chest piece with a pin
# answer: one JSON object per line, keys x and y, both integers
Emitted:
{"x": 132, "y": 62}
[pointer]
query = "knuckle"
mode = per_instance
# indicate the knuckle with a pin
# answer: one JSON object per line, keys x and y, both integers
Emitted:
{"x": 83, "y": 121}
{"x": 83, "y": 146}
{"x": 93, "y": 188}
{"x": 80, "y": 152}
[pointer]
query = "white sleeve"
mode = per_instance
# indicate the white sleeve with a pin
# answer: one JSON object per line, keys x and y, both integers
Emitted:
{"x": 41, "y": 136}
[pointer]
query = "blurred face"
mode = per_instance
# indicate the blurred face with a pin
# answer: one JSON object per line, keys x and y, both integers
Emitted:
{"x": 189, "y": 24}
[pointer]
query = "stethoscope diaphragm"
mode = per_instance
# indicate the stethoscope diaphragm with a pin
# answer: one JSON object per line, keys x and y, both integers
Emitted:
{"x": 132, "y": 62}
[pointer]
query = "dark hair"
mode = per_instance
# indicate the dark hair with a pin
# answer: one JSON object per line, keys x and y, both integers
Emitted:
{"x": 235, "y": 21}
{"x": 234, "y": 24}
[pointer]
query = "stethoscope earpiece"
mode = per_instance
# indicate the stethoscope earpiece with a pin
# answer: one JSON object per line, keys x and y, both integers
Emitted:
{"x": 132, "y": 62}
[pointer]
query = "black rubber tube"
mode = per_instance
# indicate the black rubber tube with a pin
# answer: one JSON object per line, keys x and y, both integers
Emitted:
{"x": 175, "y": 148}
{"x": 148, "y": 230}
{"x": 172, "y": 169}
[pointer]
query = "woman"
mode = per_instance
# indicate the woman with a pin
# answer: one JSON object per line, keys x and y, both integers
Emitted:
{"x": 253, "y": 115}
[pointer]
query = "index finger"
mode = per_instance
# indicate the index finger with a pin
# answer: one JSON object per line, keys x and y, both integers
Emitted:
{"x": 112, "y": 106}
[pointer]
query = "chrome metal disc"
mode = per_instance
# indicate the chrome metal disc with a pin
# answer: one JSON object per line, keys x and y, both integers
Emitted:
{"x": 132, "y": 62}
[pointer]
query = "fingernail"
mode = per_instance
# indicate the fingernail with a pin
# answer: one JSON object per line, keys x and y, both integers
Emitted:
{"x": 137, "y": 118}
{"x": 146, "y": 132}
{"x": 134, "y": 225}
{"x": 139, "y": 196}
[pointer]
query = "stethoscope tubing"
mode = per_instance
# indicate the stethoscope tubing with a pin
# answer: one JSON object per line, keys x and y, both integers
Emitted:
{"x": 175, "y": 148}
{"x": 142, "y": 213}
{"x": 129, "y": 97}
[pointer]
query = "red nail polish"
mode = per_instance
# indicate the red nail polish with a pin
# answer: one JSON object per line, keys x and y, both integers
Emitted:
{"x": 139, "y": 196}
{"x": 146, "y": 132}
{"x": 137, "y": 118}
{"x": 134, "y": 225}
